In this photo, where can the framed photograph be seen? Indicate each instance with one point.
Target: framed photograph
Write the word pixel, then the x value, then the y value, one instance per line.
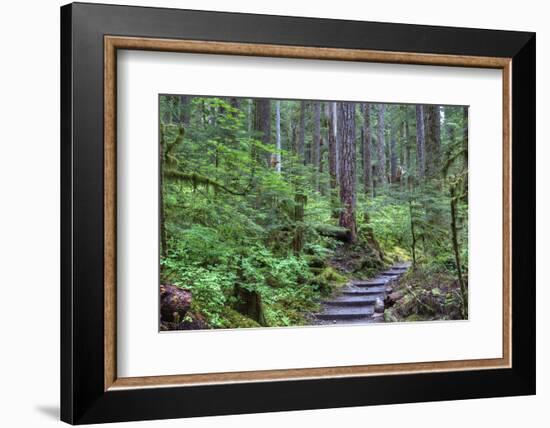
pixel 266 213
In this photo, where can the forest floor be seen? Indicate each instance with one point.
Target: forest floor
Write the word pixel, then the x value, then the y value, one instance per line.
pixel 361 301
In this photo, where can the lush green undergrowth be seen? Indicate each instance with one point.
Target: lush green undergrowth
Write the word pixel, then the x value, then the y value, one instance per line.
pixel 260 228
pixel 213 260
pixel 290 287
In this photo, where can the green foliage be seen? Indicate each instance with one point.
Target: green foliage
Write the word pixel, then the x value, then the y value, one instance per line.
pixel 231 220
pixel 390 223
pixel 208 286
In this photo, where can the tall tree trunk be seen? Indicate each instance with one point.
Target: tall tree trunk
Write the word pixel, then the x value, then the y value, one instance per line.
pixel 316 143
pixel 408 144
pixel 346 120
pixel 278 144
pixel 456 250
pixel 249 116
pixel 262 119
pixel 338 142
pixel 262 122
pixel 381 147
pixel 367 155
pixel 249 302
pixel 299 196
pixel 403 143
pixel 420 141
pixel 298 240
pixel 393 156
pixel 167 116
pixel 413 234
pixel 302 134
pixel 465 148
pixel 433 141
pixel 361 153
pixel 185 109
pixel 235 102
pixel 162 210
pixel 332 156
pixel 291 132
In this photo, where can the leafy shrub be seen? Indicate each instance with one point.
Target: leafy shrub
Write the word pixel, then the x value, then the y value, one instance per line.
pixel 209 287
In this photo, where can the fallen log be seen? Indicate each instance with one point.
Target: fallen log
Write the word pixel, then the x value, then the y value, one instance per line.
pixel 340 233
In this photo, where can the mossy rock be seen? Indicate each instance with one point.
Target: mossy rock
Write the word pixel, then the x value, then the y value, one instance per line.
pixel 234 319
pixel 371 262
pixel 329 279
pixel 315 262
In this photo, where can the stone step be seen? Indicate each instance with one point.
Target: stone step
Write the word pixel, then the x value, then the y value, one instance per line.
pixel 356 301
pixel 384 278
pixel 347 313
pixel 371 282
pixel 372 289
pixel 391 273
pixel 374 293
pixel 351 301
pixel 400 266
pixel 351 321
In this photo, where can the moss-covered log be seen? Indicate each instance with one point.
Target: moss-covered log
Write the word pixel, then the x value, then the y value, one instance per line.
pixel 331 231
pixel 197 180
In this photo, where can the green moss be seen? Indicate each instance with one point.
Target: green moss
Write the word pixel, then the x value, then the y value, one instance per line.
pixel 315 261
pixel 234 319
pixel 370 263
pixel 329 279
pixel 397 253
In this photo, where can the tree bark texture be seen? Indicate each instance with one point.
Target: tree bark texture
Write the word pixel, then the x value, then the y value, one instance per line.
pixel 367 154
pixel 420 141
pixel 381 147
pixel 278 143
pixel 456 251
pixel 162 211
pixel 332 153
pixel 185 109
pixel 302 132
pixel 433 141
pixel 235 102
pixel 262 119
pixel 393 156
pixel 262 125
pixel 316 143
pixel 410 141
pixel 346 116
pixel 465 148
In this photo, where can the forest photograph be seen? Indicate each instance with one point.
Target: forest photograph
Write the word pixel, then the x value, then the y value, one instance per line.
pixel 288 213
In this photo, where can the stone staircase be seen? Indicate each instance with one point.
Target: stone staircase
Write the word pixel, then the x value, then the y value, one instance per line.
pixel 361 301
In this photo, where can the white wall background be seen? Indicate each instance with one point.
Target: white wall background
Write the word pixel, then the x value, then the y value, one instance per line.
pixel 29 215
